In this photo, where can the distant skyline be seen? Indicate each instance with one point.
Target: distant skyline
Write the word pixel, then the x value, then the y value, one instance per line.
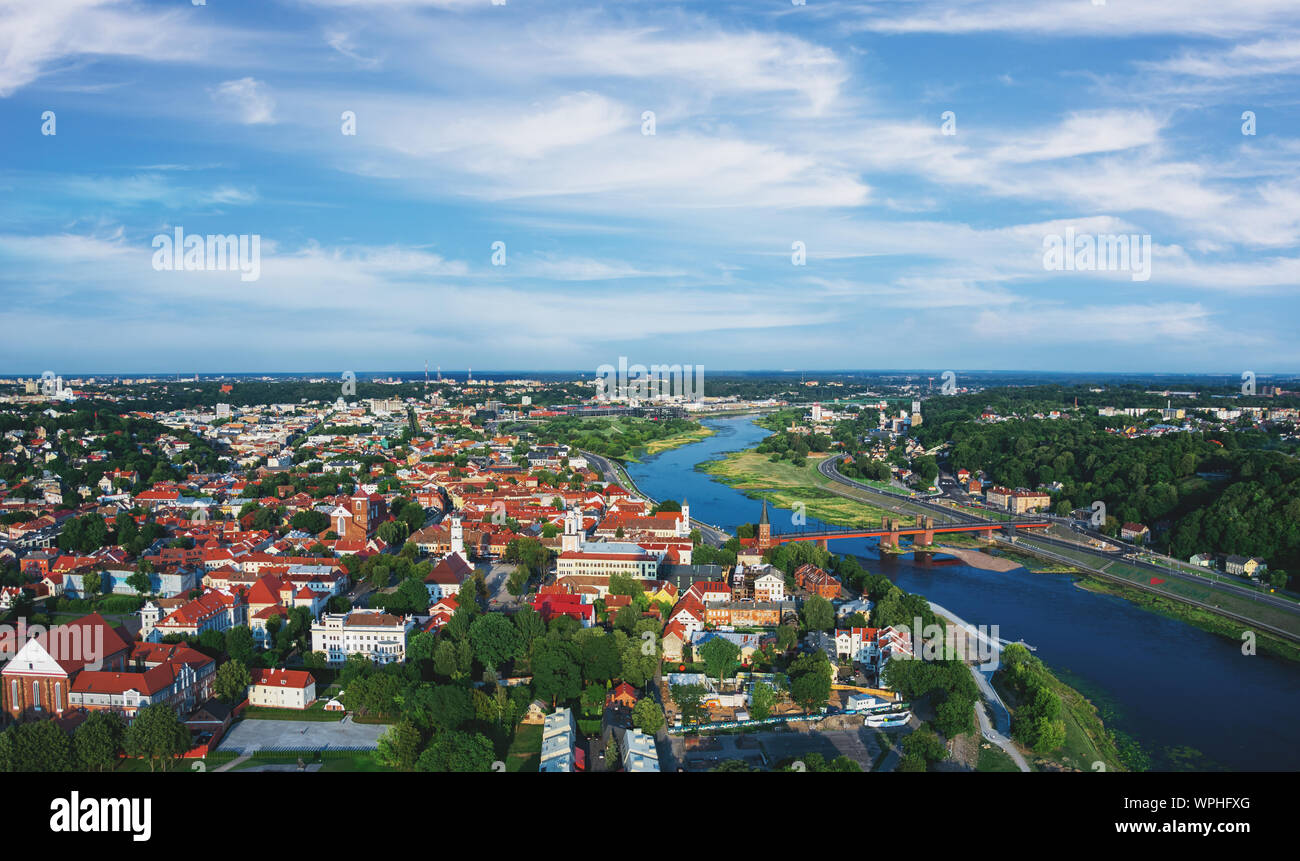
pixel 815 133
pixel 455 375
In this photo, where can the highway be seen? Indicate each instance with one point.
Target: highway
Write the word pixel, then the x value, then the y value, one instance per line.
pixel 1044 544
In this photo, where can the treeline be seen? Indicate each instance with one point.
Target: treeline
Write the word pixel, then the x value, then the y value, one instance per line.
pixel 1225 492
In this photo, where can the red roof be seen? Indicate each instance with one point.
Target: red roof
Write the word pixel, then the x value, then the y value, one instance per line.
pixel 283 678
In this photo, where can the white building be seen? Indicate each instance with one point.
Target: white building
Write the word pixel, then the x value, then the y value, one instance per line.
pixel 559 732
pixel 769 586
pixel 379 636
pixel 639 753
pixel 606 558
pixel 282 689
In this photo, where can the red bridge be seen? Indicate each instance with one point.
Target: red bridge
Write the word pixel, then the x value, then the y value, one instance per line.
pixel 893 528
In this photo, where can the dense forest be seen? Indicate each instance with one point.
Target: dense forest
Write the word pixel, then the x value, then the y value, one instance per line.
pixel 1231 491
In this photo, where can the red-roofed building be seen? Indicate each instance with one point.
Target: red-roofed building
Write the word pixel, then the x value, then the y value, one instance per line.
pixel 282 689
pixel 448 576
pixel 624 695
pixel 709 592
pixel 214 610
pixel 38 678
pixel 813 579
pixel 552 606
pixel 173 674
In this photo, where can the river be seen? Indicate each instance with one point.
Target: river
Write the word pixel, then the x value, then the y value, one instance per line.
pixel 1190 698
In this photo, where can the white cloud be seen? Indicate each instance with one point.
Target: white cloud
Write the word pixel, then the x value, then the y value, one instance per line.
pixel 248 98
pixel 1208 18
pixel 39 35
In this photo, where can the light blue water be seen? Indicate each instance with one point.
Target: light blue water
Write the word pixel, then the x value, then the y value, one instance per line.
pixel 1169 685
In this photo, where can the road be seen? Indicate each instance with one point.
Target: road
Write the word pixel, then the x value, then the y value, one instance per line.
pixel 986 729
pixel 1044 544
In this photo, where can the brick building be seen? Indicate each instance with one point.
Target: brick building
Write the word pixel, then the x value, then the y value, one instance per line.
pixel 38 679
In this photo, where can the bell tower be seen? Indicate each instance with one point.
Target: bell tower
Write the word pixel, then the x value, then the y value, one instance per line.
pixel 571 540
pixel 457 536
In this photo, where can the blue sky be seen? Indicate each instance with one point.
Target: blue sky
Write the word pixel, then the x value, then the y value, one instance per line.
pixel 774 124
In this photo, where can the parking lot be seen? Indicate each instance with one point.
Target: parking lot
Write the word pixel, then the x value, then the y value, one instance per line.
pixel 248 736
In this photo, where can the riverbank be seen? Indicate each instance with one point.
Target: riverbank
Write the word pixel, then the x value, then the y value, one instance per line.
pixel 1088 745
pixel 795 488
pixel 978 559
pixel 1146 674
pixel 1195 616
pixel 1171 608
pixel 660 445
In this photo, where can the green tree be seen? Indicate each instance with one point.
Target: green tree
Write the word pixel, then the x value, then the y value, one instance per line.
pixel 97 741
pixel 495 640
pixel 599 655
pixel 810 680
pixel 399 746
pixel 232 682
pixel 157 735
pixel 925 744
pixel 720 656
pixel 457 751
pixel 240 644
pixel 818 613
pixel 39 746
pixel 557 675
pixel 647 716
pixel 762 701
pixel 92 584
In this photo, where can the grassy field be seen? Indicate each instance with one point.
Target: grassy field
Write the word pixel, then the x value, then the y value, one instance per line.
pixel 525 752
pixel 786 485
pixel 1037 564
pixel 993 758
pixel 314 712
pixel 1203 619
pixel 361 760
pixel 656 446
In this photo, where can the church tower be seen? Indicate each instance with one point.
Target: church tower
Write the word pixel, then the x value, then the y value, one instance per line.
pixel 684 525
pixel 764 529
pixel 571 540
pixel 457 536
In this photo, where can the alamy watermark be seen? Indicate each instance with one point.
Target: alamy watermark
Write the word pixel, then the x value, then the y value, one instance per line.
pixel 79 643
pixel 1106 252
pixel 181 252
pixel 653 383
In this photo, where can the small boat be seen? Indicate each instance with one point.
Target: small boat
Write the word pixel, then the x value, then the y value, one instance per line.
pixel 885 721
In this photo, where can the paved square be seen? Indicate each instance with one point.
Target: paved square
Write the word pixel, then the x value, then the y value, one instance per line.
pixel 253 735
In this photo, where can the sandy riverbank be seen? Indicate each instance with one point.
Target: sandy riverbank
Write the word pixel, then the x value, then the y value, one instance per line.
pixel 978 559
